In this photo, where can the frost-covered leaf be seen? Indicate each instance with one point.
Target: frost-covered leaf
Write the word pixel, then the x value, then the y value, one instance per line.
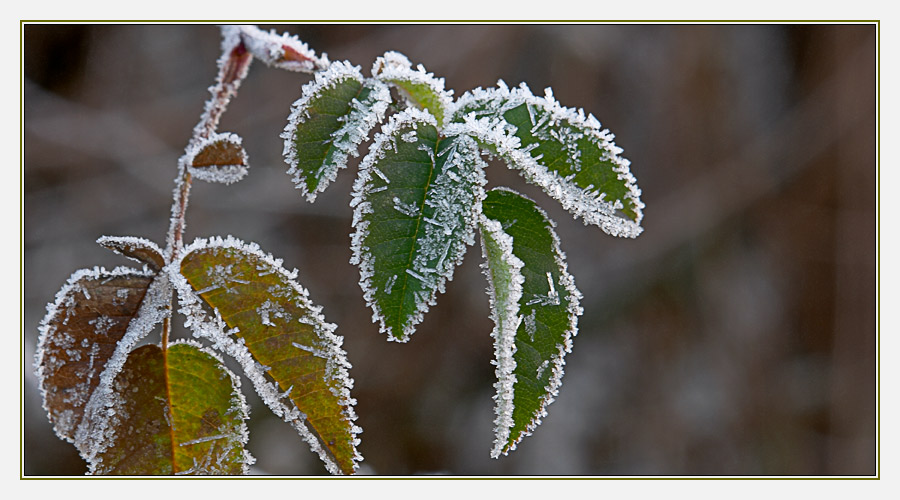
pixel 559 149
pixel 139 249
pixel 420 88
pixel 79 334
pixel 524 263
pixel 334 115
pixel 277 333
pixel 280 51
pixel 417 200
pixel 220 158
pixel 181 412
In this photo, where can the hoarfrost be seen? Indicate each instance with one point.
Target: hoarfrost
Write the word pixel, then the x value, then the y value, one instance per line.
pixel 407 209
pixel 219 158
pixel 552 297
pixel 396 69
pixel 281 51
pixel 445 218
pixel 97 432
pixel 65 369
pixel 504 274
pixel 573 296
pixel 550 121
pixel 139 249
pixel 357 124
pixel 219 334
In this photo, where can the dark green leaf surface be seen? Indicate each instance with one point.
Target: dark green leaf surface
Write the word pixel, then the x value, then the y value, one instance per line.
pixel 286 334
pixel 548 308
pixel 330 120
pixel 178 412
pixel 416 203
pixel 559 149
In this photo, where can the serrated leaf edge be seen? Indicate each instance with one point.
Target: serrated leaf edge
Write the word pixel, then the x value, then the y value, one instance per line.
pixel 359 122
pixel 590 207
pixel 574 309
pixel 116 244
pixel 506 322
pixel 222 174
pixel 360 255
pixel 94 435
pixel 53 308
pixel 395 69
pixel 218 333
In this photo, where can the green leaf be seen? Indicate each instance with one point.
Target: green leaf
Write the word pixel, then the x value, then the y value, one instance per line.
pixel 326 125
pixel 533 334
pixel 79 335
pixel 559 149
pixel 416 203
pixel 178 412
pixel 420 89
pixel 280 335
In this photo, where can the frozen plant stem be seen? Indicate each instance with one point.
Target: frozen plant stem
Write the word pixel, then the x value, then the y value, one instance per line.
pixel 233 66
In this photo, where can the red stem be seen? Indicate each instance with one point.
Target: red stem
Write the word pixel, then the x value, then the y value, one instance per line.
pixel 233 66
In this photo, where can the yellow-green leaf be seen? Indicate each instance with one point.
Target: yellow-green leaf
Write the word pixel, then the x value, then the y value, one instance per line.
pixel 175 412
pixel 275 323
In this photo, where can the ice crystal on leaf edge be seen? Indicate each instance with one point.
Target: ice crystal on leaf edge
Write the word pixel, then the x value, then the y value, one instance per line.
pixel 219 334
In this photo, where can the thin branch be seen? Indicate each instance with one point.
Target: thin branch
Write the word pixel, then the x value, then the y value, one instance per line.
pixel 233 66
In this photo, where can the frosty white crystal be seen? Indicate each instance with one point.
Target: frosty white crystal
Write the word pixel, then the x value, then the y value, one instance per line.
pixel 455 192
pixel 217 332
pixel 488 127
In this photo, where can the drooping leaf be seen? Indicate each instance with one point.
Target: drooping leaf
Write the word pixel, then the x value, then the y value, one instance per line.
pixel 417 199
pixel 280 334
pixel 280 51
pixel 504 273
pixel 178 412
pixel 559 149
pixel 79 334
pixel 420 88
pixel 524 262
pixel 139 249
pixel 220 158
pixel 327 124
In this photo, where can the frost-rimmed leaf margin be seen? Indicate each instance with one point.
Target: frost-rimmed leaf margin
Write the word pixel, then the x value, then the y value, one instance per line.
pixel 499 137
pixel 215 330
pixel 46 365
pixel 237 404
pixel 283 51
pixel 359 119
pixel 503 271
pixel 135 248
pixel 420 88
pixel 223 171
pixel 506 413
pixel 94 435
pixel 464 152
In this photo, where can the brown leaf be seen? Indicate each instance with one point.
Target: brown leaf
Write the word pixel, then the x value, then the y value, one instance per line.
pixel 79 334
pixel 139 249
pixel 221 158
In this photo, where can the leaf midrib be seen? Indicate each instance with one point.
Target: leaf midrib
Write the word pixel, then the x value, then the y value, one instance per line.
pixel 419 220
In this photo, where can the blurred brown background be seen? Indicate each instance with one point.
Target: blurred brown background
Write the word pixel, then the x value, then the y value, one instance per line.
pixel 736 336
